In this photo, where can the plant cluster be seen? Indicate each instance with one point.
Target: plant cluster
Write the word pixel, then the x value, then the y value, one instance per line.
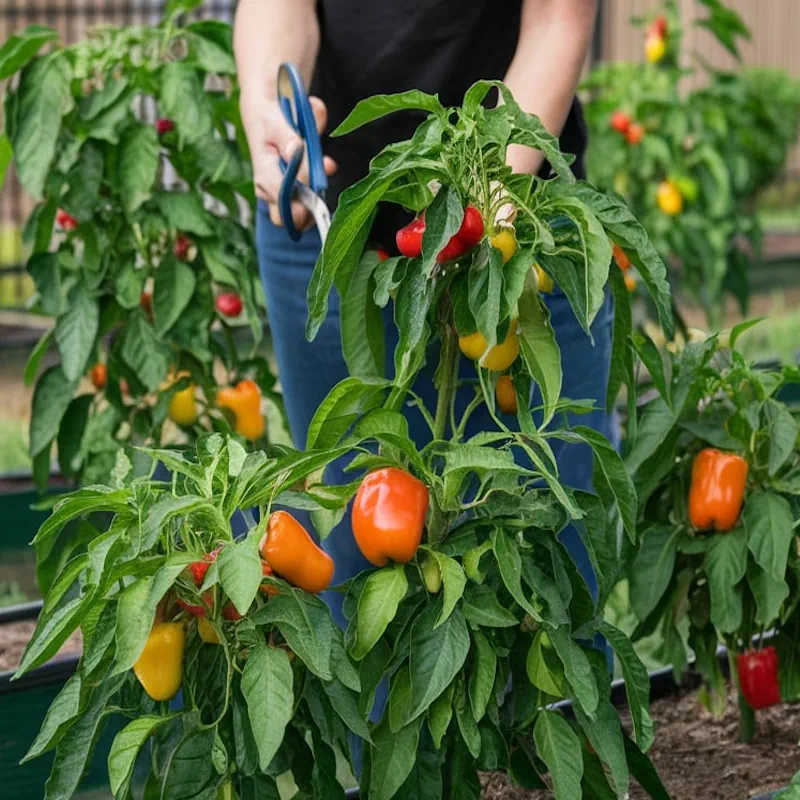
pixel 155 298
pixel 472 589
pixel 690 163
pixel 717 472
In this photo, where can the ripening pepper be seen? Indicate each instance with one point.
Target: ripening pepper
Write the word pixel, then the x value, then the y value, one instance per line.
pixel 432 574
pixel 164 125
pixel 620 121
pixel 655 47
pixel 635 133
pixel 469 233
pixel 229 304
pixel 758 677
pixel 669 198
pixel 66 221
pixel 717 490
pixel 196 609
pixel 389 516
pixel 630 283
pixel 267 589
pixel 207 631
pixel 621 257
pixel 506 395
pixel 244 400
pixel 160 666
pixel 505 242
pixel 181 247
pixel 500 357
pixel 291 553
pixel 544 282
pixel 183 407
pixel 99 375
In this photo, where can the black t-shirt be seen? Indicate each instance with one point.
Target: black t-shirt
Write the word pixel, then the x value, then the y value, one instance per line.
pixel 385 46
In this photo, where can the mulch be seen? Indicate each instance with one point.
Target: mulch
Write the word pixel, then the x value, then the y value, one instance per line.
pixel 700 758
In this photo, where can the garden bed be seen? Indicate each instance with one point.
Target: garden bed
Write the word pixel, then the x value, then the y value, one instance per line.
pixel 14 637
pixel 698 756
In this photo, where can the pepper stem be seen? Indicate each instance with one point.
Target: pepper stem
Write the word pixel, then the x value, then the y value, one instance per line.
pixel 447 385
pixel 747 721
pixel 448 361
pixel 747 717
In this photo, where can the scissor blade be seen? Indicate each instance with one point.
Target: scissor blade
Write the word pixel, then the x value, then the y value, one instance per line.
pixel 319 210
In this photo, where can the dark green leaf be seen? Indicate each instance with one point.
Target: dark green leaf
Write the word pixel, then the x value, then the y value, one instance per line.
pixel 652 569
pixel 137 165
pixel 392 758
pixel 76 332
pixel 437 655
pixel 559 748
pixel 382 104
pixel 23 46
pixel 184 101
pixel 43 97
pixel 377 607
pixel 725 564
pixel 769 523
pixel 637 684
pixel 539 348
pixel 148 357
pixel 267 686
pixel 51 398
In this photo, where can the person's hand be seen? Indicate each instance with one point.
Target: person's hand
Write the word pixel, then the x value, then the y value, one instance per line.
pixel 271 138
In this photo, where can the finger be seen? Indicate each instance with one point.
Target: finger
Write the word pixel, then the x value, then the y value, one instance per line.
pixel 268 175
pixel 282 135
pixel 320 111
pixel 328 164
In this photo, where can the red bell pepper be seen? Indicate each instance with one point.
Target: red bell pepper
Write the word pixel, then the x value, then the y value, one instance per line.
pixel 469 233
pixel 758 677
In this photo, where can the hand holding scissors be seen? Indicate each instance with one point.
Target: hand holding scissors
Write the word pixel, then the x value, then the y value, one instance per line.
pixel 296 108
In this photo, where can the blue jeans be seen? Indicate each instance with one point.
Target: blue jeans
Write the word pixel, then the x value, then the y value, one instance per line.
pixel 309 370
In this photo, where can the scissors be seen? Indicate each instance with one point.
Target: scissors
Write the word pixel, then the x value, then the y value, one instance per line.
pixel 296 108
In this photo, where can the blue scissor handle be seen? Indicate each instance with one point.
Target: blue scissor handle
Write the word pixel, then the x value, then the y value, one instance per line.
pixel 296 108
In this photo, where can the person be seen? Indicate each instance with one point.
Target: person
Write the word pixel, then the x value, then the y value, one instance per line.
pixel 348 50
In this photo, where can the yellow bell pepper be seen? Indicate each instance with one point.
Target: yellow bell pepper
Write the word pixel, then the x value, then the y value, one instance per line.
pixel 183 407
pixel 500 357
pixel 207 631
pixel 505 242
pixel 160 666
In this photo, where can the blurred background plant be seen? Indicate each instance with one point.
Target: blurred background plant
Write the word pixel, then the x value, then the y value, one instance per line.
pixel 691 158
pixel 140 245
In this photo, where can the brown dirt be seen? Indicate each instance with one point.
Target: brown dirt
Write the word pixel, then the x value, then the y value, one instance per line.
pixel 15 635
pixel 699 758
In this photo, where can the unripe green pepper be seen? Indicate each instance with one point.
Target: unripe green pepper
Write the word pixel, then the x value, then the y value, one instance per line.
pixel 432 574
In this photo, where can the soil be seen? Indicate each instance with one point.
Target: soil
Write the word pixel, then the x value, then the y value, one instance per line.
pixel 15 635
pixel 698 756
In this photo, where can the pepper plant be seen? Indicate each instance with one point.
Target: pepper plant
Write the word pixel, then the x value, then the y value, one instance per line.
pixel 473 590
pixel 690 163
pixel 717 471
pixel 153 295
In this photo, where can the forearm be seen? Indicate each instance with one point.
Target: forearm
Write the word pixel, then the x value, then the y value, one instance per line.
pixel 268 32
pixel 555 36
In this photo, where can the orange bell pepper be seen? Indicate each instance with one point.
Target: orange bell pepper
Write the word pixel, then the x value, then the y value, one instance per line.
pixel 389 516
pixel 291 553
pixel 717 491
pixel 244 400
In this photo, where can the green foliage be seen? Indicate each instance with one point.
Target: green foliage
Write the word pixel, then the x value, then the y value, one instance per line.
pixel 80 145
pixel 510 594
